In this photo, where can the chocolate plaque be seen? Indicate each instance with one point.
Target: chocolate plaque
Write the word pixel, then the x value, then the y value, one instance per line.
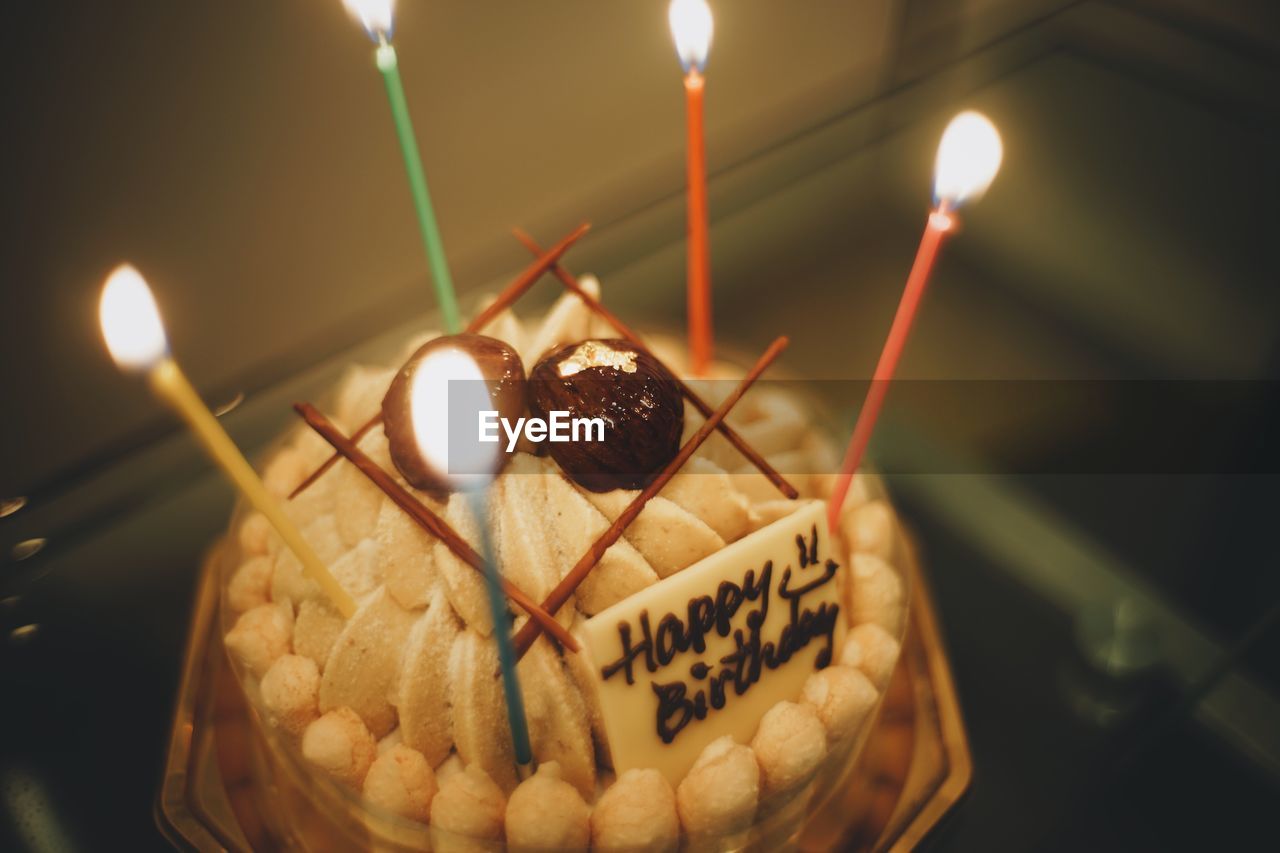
pixel 707 651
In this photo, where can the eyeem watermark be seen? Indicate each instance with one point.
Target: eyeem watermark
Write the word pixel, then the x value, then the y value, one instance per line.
pixel 560 427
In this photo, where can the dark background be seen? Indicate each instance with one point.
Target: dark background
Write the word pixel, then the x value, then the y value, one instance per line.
pixel 240 153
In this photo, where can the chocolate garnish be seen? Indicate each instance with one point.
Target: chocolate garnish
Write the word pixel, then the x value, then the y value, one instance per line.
pixel 571 284
pixel 499 364
pixel 627 389
pixel 526 279
pixel 329 463
pixel 528 276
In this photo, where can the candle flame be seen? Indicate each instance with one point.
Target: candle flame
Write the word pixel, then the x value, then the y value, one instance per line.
pixel 968 159
pixel 376 16
pixel 449 378
pixel 691 27
pixel 130 321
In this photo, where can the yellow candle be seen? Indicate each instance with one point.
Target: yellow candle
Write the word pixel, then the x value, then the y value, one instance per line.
pixel 135 336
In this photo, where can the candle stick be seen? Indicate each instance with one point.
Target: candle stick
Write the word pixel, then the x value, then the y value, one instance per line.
pixel 378 21
pixel 507 659
pixel 135 336
pixel 691 26
pixel 445 379
pixel 968 159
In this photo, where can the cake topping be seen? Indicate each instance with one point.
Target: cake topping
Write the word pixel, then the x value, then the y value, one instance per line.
pixel 401 781
pixel 719 795
pixel 629 393
pixel 871 650
pixel 596 354
pixel 587 289
pixel 875 594
pixel 341 745
pixel 426 722
pixel 637 813
pixel 470 805
pixel 790 744
pixel 363 664
pixel 260 636
pixel 290 690
pixel 498 363
pixel 250 586
pixel 547 813
pixel 842 698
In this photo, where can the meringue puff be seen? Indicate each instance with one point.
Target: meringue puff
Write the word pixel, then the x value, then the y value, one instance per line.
pixel 401 781
pixel 468 806
pixel 547 813
pixel 341 745
pixel 637 812
pixel 719 795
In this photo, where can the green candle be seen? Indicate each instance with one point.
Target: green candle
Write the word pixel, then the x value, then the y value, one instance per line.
pixel 390 68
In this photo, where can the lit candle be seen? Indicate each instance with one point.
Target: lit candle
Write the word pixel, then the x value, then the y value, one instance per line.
pixel 449 390
pixel 377 17
pixel 691 26
pixel 968 159
pixel 135 337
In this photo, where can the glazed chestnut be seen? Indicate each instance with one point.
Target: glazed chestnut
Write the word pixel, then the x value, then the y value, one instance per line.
pixel 637 398
pixel 498 363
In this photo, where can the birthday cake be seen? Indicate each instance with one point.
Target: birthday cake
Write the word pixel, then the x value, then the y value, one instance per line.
pixel 698 653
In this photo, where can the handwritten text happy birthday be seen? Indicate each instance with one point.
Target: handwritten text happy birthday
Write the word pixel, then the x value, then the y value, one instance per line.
pixel 745 605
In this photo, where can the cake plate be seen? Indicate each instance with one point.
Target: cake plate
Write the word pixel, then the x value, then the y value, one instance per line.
pixel 914 769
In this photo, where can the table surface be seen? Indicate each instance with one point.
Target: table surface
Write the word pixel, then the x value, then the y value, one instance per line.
pixel 1064 758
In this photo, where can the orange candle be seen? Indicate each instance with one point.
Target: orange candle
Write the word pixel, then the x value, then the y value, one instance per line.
pixel 968 159
pixel 691 26
pixel 699 260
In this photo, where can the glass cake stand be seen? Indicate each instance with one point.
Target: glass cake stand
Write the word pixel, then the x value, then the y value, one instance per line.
pixel 226 785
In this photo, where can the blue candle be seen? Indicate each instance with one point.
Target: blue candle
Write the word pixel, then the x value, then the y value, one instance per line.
pixel 479 502
pixel 449 390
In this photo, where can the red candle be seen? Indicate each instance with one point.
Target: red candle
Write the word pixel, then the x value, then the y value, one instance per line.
pixel 691 26
pixel 968 159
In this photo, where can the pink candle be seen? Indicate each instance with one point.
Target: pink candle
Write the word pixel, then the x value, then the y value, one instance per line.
pixel 968 159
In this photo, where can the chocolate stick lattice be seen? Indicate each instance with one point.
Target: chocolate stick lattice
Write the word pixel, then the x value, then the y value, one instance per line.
pixel 571 283
pixel 526 636
pixel 426 519
pixel 527 278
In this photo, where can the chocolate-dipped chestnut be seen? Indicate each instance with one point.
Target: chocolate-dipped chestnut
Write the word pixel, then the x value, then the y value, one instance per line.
pixel 637 398
pixel 498 363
